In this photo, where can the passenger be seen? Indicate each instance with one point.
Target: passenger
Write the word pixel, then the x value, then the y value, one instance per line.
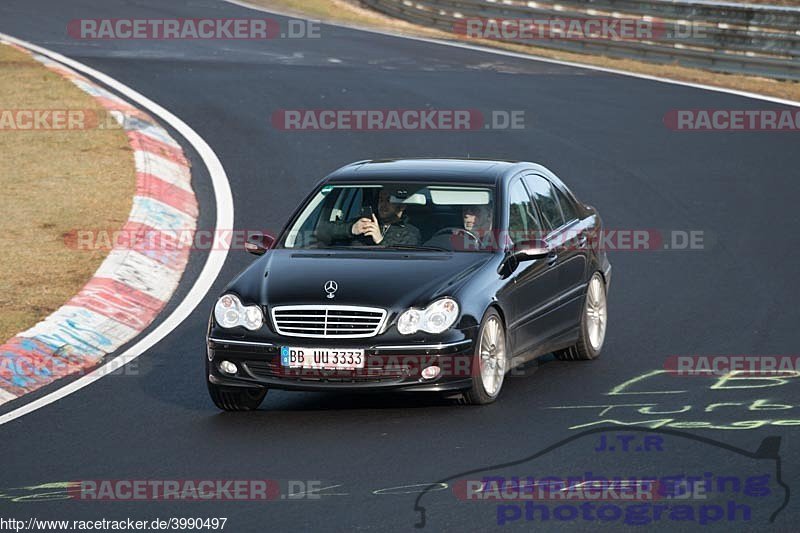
pixel 477 218
pixel 477 222
pixel 390 227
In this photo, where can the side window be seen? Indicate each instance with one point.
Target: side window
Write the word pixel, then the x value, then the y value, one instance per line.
pixel 545 196
pixel 351 207
pixel 566 206
pixel 522 221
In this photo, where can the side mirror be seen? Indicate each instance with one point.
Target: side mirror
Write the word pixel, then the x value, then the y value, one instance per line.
pixel 530 250
pixel 523 251
pixel 259 243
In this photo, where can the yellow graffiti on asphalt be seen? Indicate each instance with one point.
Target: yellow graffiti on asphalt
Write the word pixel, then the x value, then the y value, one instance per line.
pixel 49 492
pixel 629 414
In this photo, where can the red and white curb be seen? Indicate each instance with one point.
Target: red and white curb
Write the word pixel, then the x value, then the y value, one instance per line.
pixel 134 283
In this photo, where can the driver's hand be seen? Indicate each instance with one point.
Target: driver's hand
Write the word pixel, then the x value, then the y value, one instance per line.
pixel 360 226
pixel 373 229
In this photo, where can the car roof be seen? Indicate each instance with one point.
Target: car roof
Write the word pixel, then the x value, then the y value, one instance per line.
pixel 479 171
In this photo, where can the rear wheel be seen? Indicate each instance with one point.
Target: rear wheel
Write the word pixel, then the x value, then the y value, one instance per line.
pixel 490 361
pixel 236 399
pixel 593 324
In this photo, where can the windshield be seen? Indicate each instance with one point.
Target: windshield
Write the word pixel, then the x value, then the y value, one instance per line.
pixel 406 216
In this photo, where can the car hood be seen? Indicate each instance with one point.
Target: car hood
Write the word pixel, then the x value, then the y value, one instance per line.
pixel 382 278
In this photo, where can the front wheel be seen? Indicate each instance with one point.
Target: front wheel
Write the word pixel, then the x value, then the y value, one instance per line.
pixel 236 399
pixel 490 361
pixel 594 319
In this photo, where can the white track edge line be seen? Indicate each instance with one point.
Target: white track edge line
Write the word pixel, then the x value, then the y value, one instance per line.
pixel 212 266
pixel 531 57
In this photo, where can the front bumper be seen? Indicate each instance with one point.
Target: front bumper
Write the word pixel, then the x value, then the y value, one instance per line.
pixel 388 366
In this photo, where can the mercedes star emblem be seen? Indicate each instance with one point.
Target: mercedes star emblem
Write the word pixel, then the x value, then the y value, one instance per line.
pixel 331 287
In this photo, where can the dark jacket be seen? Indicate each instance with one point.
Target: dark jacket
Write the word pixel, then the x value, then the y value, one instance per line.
pixel 396 233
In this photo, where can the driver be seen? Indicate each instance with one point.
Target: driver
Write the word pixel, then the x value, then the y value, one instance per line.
pixel 390 227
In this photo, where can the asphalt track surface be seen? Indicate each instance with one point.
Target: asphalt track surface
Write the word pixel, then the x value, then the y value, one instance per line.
pixel 602 133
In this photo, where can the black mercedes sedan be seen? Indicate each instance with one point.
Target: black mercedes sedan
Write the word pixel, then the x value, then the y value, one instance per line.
pixel 434 275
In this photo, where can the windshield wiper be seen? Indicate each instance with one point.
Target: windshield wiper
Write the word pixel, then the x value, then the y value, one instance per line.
pixel 340 247
pixel 413 247
pixel 379 247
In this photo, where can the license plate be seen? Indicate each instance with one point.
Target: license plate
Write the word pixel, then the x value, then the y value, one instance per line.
pixel 322 358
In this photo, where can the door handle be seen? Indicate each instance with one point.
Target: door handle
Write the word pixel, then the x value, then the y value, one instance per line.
pixel 582 239
pixel 552 257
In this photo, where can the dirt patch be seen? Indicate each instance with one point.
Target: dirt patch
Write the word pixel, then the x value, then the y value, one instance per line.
pixel 54 180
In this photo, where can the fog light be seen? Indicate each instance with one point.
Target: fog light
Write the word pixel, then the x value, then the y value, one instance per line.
pixel 228 368
pixel 430 372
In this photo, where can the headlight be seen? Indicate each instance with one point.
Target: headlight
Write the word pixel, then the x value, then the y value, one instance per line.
pixel 229 313
pixel 435 318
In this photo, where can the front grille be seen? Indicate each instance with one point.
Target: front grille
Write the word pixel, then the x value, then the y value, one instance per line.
pixel 328 321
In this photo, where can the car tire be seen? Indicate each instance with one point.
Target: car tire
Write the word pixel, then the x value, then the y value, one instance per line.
pixel 490 362
pixel 236 399
pixel 594 319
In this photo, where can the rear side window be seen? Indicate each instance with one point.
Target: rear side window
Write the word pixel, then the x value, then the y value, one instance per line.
pixel 545 197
